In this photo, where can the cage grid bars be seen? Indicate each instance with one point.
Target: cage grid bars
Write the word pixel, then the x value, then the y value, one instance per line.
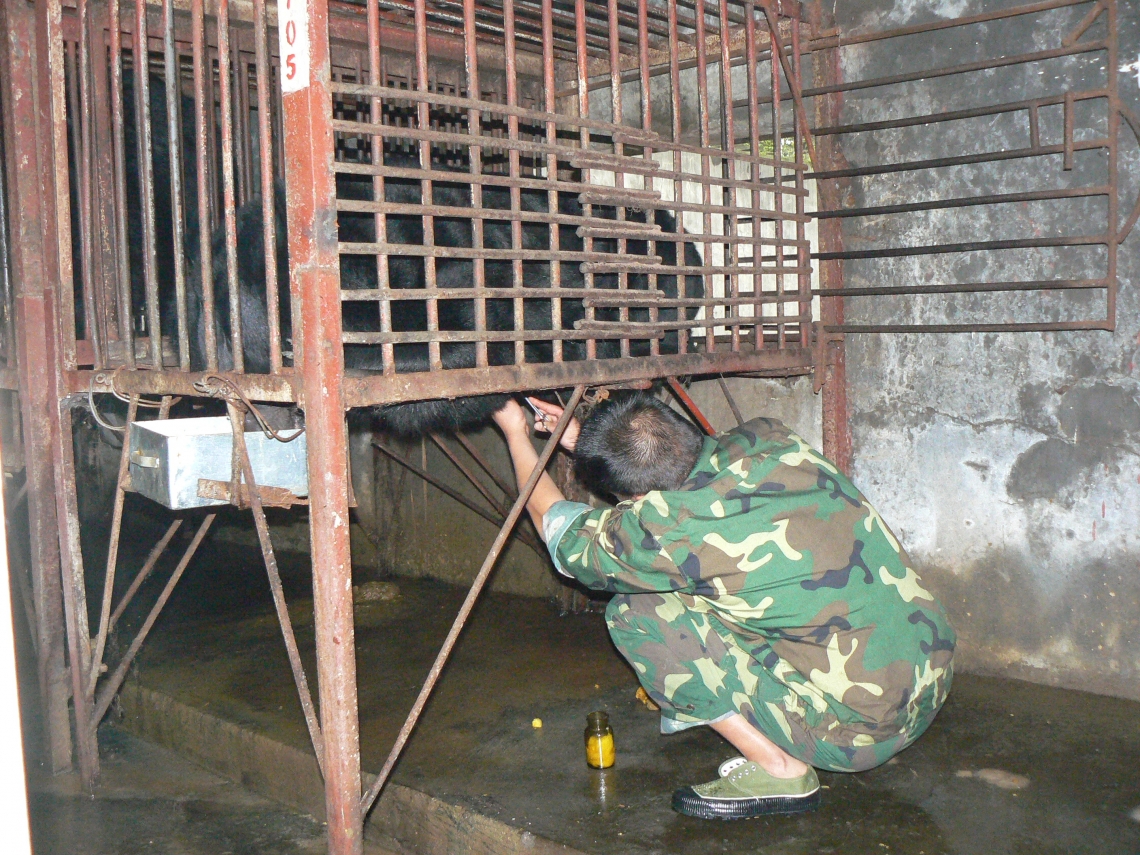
pixel 287 390
pixel 1071 45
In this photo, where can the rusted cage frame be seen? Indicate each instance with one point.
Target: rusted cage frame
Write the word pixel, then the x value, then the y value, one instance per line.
pixel 285 389
pixel 247 49
pixel 361 391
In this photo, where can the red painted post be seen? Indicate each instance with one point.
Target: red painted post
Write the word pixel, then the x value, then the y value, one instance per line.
pixel 34 277
pixel 315 283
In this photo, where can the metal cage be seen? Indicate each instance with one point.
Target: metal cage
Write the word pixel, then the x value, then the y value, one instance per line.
pixel 345 204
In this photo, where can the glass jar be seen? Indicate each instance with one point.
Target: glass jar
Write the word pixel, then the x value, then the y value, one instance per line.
pixel 599 738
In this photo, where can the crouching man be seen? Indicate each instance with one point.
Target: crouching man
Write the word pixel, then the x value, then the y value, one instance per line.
pixel 757 592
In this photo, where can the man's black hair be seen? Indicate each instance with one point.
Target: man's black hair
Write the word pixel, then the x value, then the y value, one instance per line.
pixel 632 444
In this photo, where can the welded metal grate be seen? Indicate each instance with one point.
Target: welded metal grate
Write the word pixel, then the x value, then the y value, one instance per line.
pixel 585 207
pixel 529 193
pixel 991 212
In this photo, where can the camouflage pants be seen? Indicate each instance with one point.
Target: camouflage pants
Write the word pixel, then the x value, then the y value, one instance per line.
pixel 699 671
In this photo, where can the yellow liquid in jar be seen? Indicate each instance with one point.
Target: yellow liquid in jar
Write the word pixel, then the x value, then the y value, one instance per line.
pixel 600 751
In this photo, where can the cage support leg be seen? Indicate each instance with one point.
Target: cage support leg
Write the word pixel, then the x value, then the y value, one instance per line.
pixel 74 597
pixel 113 548
pixel 469 603
pixel 237 419
pixel 145 571
pixel 113 684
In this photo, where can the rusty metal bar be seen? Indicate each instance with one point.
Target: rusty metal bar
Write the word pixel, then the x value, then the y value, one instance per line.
pixel 798 94
pixel 37 335
pixel 468 474
pixel 964 288
pixel 86 191
pixel 144 572
pixel 728 193
pixel 731 401
pixel 469 603
pixel 113 547
pixel 103 168
pixel 583 107
pixel 964 68
pixel 971 246
pixel 497 520
pixel 1032 105
pixel 1068 143
pixel 237 421
pixel 276 388
pixel 1116 108
pixel 315 285
pixel 126 331
pixel 1095 12
pixel 431 252
pixel 241 124
pixel 690 405
pixel 965 202
pixel 803 138
pixel 475 166
pixel 268 197
pixel 54 56
pixel 115 681
pixel 203 90
pixel 552 204
pixel 423 124
pixel 74 594
pixel 985 17
pixel 173 76
pixel 676 171
pixel 755 185
pixel 1057 326
pixel 380 222
pixel 146 180
pixel 7 292
pixel 229 193
pixel 959 160
pixel 706 206
pixel 508 490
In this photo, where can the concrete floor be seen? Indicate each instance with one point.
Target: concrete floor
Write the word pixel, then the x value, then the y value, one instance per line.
pixel 1007 767
pixel 150 800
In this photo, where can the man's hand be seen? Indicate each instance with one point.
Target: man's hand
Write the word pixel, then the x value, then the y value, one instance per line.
pixel 546 419
pixel 511 420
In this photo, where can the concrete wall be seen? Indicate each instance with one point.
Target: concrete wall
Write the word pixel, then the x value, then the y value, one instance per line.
pixel 1009 464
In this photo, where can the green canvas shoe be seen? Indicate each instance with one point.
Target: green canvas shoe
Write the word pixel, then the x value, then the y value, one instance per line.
pixel 745 790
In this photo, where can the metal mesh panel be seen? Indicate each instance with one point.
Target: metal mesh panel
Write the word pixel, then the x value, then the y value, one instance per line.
pixel 980 172
pixel 561 190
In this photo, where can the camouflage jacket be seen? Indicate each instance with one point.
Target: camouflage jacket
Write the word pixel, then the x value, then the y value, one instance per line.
pixel 777 547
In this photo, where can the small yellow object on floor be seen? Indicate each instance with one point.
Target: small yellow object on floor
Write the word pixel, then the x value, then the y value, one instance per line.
pixel 536 723
pixel 643 696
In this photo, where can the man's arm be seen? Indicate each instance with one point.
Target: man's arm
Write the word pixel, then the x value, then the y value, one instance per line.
pixel 512 422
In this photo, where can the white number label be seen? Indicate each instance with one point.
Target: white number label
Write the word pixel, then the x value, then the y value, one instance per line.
pixel 293 34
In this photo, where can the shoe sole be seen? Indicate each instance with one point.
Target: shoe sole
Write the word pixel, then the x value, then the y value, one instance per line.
pixel 687 801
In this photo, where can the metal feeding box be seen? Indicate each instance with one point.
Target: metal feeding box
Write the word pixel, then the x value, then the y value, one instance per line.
pixel 168 458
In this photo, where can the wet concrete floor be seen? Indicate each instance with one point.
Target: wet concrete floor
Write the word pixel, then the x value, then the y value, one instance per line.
pixel 1008 767
pixel 149 800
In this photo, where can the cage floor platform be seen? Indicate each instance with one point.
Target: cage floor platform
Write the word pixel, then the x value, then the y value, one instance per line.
pixel 1007 767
